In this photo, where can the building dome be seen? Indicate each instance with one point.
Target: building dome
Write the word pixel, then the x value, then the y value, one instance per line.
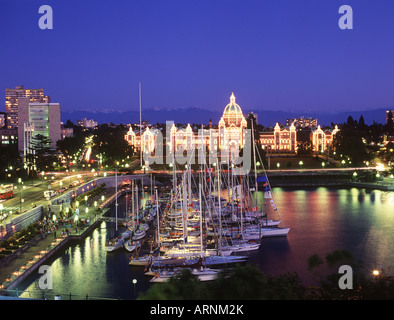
pixel 232 107
pixel 232 115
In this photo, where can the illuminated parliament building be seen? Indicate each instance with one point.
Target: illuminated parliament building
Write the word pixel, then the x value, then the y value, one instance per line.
pixel 229 133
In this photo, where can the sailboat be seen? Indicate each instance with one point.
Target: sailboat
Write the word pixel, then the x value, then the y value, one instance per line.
pixel 197 269
pixel 203 274
pixel 263 229
pixel 138 234
pixel 148 259
pixel 127 233
pixel 131 245
pixel 116 242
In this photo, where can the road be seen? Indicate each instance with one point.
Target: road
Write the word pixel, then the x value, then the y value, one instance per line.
pixel 33 193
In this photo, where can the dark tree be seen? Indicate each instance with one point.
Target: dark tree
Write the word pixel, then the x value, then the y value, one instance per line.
pixel 109 141
pixel 44 157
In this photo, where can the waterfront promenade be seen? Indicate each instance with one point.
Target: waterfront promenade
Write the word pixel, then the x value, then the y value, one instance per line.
pixel 46 244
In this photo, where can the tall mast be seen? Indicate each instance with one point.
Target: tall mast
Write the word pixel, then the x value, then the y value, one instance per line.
pixel 185 207
pixel 255 172
pixel 220 211
pixel 200 205
pixel 139 91
pixel 116 200
pixel 132 202
pixel 158 220
pixel 138 209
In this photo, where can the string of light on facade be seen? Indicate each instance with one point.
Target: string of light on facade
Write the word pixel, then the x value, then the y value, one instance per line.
pixel 229 135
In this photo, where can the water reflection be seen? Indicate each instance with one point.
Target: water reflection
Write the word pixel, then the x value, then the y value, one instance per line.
pixel 321 219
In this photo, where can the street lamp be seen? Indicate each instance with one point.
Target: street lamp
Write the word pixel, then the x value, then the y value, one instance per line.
pixel 323 164
pixel 300 163
pixel 134 283
pixel 278 165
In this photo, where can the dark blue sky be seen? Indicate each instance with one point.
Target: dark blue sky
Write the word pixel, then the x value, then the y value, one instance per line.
pixel 274 54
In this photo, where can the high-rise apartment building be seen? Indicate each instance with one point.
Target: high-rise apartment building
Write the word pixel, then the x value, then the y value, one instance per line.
pixel 37 118
pixel 12 97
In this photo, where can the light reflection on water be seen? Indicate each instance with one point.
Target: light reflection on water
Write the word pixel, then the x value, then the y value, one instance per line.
pixel 321 220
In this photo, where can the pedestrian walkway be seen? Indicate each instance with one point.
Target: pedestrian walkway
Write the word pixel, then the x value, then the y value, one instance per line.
pixel 49 242
pixel 17 263
pixel 53 240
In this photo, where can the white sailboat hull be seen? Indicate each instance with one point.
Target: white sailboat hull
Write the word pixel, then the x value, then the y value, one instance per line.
pixel 127 234
pixel 202 275
pixel 114 245
pixel 139 235
pixel 245 247
pixel 131 245
pixel 265 232
pixel 142 261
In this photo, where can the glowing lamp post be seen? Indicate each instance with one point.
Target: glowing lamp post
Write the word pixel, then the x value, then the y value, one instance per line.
pixel 134 283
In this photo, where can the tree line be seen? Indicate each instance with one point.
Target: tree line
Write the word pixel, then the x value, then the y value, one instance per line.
pixel 247 282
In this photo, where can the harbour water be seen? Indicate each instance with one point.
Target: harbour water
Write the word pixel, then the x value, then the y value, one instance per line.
pixel 321 219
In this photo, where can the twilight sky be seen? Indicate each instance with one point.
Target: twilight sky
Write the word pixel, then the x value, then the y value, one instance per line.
pixel 273 54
